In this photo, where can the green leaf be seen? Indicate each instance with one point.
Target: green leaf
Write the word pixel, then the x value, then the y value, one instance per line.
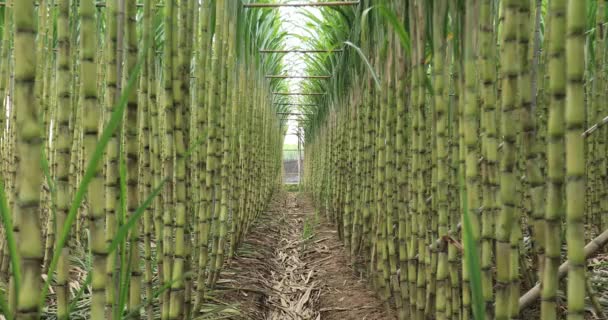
pixel 7 223
pixel 472 257
pixel 404 36
pixel 122 233
pixel 364 58
pixel 51 182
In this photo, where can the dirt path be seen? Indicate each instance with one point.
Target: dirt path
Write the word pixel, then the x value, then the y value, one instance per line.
pixel 292 266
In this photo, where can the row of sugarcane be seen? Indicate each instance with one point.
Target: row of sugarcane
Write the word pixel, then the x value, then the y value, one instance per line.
pixel 460 147
pixel 139 137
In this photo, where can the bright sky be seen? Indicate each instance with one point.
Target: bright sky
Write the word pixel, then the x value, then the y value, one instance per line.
pixel 293 22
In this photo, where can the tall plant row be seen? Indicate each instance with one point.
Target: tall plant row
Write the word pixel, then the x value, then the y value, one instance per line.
pixel 139 142
pixel 461 152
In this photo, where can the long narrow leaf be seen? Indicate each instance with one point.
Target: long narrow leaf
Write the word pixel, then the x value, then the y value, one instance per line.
pixel 52 186
pixel 123 281
pixel 364 58
pixel 404 37
pixel 472 257
pixel 122 233
pixel 7 223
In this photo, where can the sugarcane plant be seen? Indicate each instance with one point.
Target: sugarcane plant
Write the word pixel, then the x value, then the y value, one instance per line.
pixel 127 148
pixel 473 136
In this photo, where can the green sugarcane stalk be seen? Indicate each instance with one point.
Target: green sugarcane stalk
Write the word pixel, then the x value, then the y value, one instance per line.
pixel 423 161
pixel 29 133
pixel 155 162
pixel 471 117
pixel 506 219
pixel 402 162
pixel 555 205
pixel 212 166
pixel 222 231
pixel 132 135
pixel 203 61
pixel 216 112
pixel 415 146
pixel 390 176
pixel 146 170
pixel 63 148
pixel 379 225
pixel 575 155
pixel 441 145
pixel 601 83
pixel 457 165
pixel 180 67
pixel 190 115
pixel 111 160
pixel 168 147
pixel 490 149
pixel 91 113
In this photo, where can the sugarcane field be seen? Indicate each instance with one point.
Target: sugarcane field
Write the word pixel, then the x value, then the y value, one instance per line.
pixel 304 159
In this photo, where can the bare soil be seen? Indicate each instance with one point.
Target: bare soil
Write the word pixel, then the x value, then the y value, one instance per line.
pixel 293 266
